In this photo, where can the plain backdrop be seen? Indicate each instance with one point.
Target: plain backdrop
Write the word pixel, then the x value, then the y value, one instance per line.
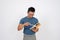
pixel 47 12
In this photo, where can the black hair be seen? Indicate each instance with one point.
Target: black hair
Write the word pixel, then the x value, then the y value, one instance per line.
pixel 32 9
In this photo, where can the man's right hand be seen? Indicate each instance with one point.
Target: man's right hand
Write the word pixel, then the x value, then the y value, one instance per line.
pixel 26 24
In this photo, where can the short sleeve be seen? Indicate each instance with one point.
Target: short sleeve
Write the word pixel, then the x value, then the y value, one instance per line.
pixel 21 21
pixel 36 21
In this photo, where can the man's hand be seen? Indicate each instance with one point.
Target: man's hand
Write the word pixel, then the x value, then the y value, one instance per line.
pixel 34 29
pixel 26 24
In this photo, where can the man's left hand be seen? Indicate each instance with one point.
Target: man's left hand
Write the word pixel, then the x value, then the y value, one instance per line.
pixel 34 29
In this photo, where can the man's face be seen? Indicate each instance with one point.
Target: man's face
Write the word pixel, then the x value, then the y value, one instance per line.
pixel 30 14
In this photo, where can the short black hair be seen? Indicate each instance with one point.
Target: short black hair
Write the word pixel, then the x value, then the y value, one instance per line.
pixel 32 9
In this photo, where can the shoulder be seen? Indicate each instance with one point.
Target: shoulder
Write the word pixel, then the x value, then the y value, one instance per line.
pixel 23 18
pixel 35 20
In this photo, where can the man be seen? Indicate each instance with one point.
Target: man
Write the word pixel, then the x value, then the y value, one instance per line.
pixel 27 23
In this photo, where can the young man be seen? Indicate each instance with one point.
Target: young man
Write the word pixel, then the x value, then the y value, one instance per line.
pixel 27 23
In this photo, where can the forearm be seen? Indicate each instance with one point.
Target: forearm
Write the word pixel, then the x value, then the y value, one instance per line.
pixel 20 27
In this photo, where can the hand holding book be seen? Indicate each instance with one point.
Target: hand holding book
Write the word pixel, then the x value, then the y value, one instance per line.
pixel 36 27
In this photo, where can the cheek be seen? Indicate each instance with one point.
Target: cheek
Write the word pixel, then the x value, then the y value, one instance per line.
pixel 31 15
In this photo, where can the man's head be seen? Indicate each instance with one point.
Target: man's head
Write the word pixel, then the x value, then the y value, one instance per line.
pixel 31 11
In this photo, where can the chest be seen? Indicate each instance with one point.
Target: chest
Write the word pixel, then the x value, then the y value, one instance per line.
pixel 32 21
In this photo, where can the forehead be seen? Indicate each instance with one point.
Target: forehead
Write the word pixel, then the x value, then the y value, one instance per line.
pixel 31 13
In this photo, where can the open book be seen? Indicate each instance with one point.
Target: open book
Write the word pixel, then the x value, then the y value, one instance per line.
pixel 34 26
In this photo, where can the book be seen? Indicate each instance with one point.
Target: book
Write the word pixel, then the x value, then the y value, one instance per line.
pixel 34 26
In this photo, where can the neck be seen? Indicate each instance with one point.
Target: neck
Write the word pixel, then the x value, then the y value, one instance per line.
pixel 29 17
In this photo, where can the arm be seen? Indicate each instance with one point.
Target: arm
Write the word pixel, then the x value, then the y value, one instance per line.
pixel 20 27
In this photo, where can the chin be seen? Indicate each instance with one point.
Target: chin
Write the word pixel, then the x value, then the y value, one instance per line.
pixel 30 17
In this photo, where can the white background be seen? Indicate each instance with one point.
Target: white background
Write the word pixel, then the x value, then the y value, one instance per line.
pixel 47 11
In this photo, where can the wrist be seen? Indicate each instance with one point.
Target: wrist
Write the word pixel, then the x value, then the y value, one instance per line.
pixel 23 24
